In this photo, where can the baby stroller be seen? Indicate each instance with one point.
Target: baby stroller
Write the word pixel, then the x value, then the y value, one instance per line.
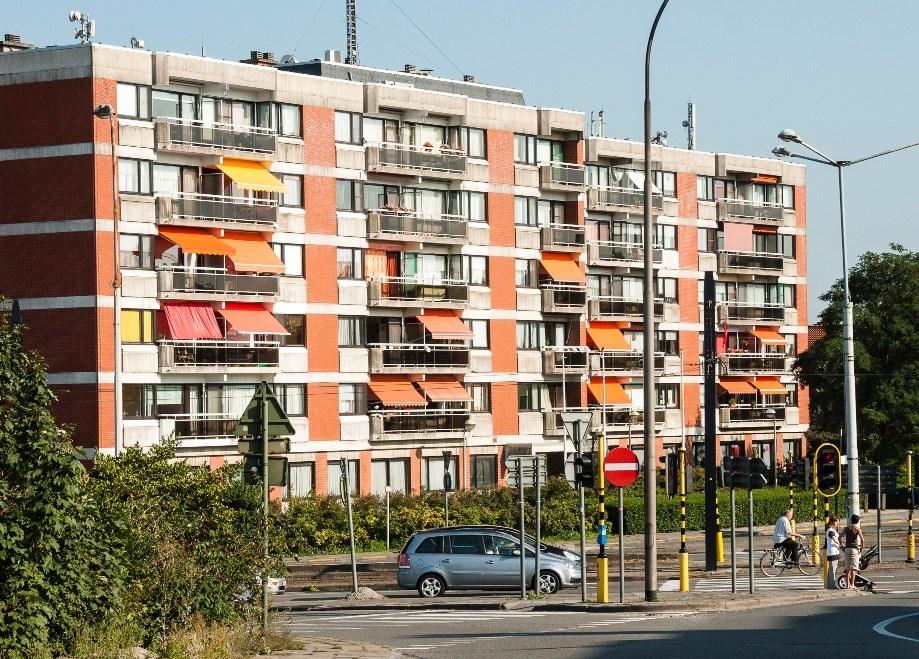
pixel 863 563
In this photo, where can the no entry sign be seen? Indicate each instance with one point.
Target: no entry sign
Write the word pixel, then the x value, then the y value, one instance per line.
pixel 620 467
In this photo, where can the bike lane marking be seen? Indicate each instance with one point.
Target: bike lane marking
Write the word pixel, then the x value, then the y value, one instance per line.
pixel 881 627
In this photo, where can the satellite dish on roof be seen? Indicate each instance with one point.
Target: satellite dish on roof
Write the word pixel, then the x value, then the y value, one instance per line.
pixel 288 59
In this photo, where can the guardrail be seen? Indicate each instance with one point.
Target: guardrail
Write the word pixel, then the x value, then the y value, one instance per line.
pixel 563 173
pixel 750 413
pixel 563 298
pixel 417 421
pixel 218 208
pixel 407 357
pixel 612 250
pixel 202 425
pixel 409 156
pixel 175 353
pixel 750 210
pixel 234 137
pixel 622 361
pixel 564 360
pixel 386 223
pixel 562 236
pixel 754 362
pixel 410 289
pixel 768 311
pixel 598 197
pixel 605 306
pixel 729 261
pixel 215 280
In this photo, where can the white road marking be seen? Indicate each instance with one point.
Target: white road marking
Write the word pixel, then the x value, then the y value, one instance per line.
pixel 881 628
pixel 723 584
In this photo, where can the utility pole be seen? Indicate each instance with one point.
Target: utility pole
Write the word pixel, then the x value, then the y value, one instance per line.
pixel 708 370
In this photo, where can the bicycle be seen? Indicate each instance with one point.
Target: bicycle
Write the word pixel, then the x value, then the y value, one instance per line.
pixel 773 563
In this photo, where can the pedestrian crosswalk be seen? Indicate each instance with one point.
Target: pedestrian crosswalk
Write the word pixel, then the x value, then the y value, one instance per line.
pixel 762 583
pixel 314 621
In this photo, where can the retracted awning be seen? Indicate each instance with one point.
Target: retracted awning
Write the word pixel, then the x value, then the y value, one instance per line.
pixel 604 336
pixel 251 175
pixel 770 337
pixel 611 393
pixel 562 267
pixel 191 320
pixel 196 241
pixel 769 386
pixel 444 326
pixel 251 319
pixel 737 387
pixel 252 253
pixel 396 392
pixel 444 390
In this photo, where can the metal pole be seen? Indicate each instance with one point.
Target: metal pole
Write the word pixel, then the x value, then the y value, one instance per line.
pixel 713 539
pixel 446 507
pixel 523 551
pixel 116 293
pixel 650 470
pixel 536 573
pixel 684 553
pixel 733 551
pixel 387 518
pixel 602 563
pixel 346 494
pixel 910 539
pixel 750 540
pixel 879 514
pixel 263 405
pixel 583 545
pixel 621 550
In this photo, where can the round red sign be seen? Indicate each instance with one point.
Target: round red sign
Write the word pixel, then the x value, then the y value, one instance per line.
pixel 620 466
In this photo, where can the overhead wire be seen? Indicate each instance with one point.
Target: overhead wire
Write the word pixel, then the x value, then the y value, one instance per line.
pixel 425 35
pixel 309 25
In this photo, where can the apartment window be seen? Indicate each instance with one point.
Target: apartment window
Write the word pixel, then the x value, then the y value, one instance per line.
pixel 477 208
pixel 550 151
pixel 665 236
pixel 483 471
pixel 136 251
pixel 528 398
pixel 788 196
pixel 294 195
pixel 292 398
pixel 477 270
pixel 134 176
pixel 526 273
pixel 705 188
pixel 347 195
pixel 525 211
pixel 667 288
pixel 480 393
pixel 290 123
pixel 352 399
pixel 388 473
pixel 525 149
pixel 167 179
pixel 788 295
pixel 334 474
pixel 792 396
pixel 433 472
pixel 668 342
pixel 138 401
pixel 666 182
pixel 530 335
pixel 350 263
pixel 668 396
pixel 479 329
pixel 475 143
pixel 550 212
pixel 137 325
pixel 348 127
pixel 292 255
pixel 708 240
pixel 174 105
pixel 302 479
pixel 294 324
pixel 791 344
pixel 132 101
pixel 351 331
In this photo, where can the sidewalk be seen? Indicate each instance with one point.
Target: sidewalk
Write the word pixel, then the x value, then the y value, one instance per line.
pixel 330 648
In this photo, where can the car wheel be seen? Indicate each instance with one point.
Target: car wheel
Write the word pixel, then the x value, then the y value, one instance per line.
pixel 549 583
pixel 431 585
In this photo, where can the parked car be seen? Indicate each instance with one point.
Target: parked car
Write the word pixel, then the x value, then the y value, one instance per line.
pixel 478 558
pixel 530 540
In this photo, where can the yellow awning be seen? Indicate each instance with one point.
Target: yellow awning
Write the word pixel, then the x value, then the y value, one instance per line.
pixel 251 175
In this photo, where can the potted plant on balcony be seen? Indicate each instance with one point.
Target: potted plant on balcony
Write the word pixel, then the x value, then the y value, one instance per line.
pixel 732 402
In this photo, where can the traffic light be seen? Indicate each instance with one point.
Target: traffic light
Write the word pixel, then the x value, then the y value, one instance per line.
pixel 828 468
pixel 584 470
pixel 759 473
pixel 802 468
pixel 671 464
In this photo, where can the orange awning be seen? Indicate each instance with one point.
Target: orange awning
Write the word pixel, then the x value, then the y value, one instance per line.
pixel 768 336
pixel 737 387
pixel 251 319
pixel 611 393
pixel 252 253
pixel 765 178
pixel 769 386
pixel 197 241
pixel 606 336
pixel 251 175
pixel 396 392
pixel 445 325
pixel 562 267
pixel 444 390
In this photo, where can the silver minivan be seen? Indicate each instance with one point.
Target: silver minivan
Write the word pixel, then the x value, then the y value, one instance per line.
pixel 472 558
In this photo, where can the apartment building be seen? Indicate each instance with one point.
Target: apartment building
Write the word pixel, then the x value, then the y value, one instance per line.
pixel 416 265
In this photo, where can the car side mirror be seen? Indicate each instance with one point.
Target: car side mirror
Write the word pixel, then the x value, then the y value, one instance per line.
pixel 516 552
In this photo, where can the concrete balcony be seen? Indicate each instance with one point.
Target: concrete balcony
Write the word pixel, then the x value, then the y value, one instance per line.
pixel 562 237
pixel 414 227
pixel 561 177
pixel 562 298
pixel 191 136
pixel 620 363
pixel 430 358
pixel 216 284
pixel 611 253
pixel 750 363
pixel 611 307
pixel 219 211
pixel 207 356
pixel 418 424
pixel 568 361
pixel 751 313
pixel 200 427
pixel 753 212
pixel 750 263
pixel 409 160
pixel 413 293
pixel 749 415
pixel 623 200
pixel 620 419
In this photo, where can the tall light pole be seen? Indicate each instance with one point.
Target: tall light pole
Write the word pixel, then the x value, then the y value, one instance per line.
pixel 770 414
pixel 650 470
pixel 848 336
pixel 107 112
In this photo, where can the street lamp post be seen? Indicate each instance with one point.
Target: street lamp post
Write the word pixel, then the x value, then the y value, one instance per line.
pixel 468 427
pixel 851 427
pixel 770 414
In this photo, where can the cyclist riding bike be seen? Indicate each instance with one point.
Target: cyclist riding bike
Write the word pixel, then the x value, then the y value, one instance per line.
pixel 783 537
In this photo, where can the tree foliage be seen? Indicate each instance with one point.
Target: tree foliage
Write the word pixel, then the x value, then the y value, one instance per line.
pixel 885 294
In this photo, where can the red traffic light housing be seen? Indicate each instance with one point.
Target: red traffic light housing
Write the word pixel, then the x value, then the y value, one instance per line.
pixel 828 469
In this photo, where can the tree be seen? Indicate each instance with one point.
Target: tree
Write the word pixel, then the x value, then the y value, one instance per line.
pixel 885 296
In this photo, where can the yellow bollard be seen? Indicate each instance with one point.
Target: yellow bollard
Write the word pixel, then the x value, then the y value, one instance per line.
pixel 602 580
pixel 791 504
pixel 602 566
pixel 815 550
pixel 910 539
pixel 719 538
pixel 684 553
pixel 910 547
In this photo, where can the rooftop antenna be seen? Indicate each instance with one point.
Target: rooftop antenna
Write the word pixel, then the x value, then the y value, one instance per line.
pixel 593 124
pixel 351 23
pixel 602 124
pixel 690 125
pixel 660 138
pixel 87 30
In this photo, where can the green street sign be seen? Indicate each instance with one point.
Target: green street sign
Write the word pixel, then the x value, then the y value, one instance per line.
pixel 250 423
pixel 278 471
pixel 254 446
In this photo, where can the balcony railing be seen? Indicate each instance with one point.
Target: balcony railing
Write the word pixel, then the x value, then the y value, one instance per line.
pixel 750 261
pixel 750 362
pixel 622 362
pixel 562 298
pixel 741 414
pixel 755 312
pixel 410 291
pixel 198 208
pixel 215 281
pixel 613 198
pixel 413 357
pixel 393 157
pixel 562 237
pixel 556 361
pixel 750 211
pixel 411 225
pixel 446 423
pixel 177 354
pixel 561 175
pixel 200 426
pixel 623 308
pixel 230 137
pixel 623 416
pixel 611 250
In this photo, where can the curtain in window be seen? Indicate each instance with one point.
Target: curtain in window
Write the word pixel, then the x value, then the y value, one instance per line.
pixel 301 480
pixel 378 477
pixel 398 480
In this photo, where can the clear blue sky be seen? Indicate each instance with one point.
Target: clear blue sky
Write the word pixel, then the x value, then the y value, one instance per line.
pixel 842 73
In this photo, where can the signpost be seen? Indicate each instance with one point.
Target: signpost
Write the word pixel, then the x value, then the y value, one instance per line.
pixel 448 485
pixel 881 479
pixel 749 473
pixel 577 425
pixel 345 485
pixel 523 470
pixel 620 469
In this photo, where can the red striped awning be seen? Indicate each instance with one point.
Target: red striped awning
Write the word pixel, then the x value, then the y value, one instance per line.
pixel 191 320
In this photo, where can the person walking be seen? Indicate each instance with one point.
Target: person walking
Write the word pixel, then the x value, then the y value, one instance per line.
pixel 853 541
pixel 832 551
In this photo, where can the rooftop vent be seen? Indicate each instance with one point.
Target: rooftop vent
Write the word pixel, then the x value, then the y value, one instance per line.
pixel 468 77
pixel 12 42
pixel 411 68
pixel 333 56
pixel 260 58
